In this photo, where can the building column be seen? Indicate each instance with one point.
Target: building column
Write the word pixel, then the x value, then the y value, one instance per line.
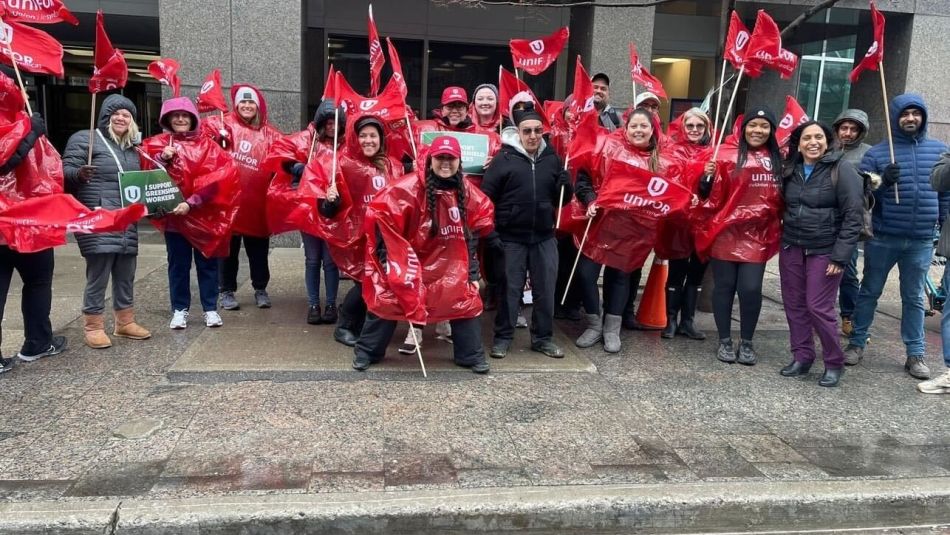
pixel 612 28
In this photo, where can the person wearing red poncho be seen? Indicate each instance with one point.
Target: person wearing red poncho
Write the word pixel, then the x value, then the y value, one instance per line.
pixel 485 109
pixel 20 134
pixel 364 170
pixel 674 240
pixel 744 228
pixel 636 144
pixel 288 158
pixel 421 264
pixel 200 227
pixel 248 136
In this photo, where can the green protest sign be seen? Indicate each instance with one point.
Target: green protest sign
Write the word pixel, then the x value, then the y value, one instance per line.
pixel 155 189
pixel 474 149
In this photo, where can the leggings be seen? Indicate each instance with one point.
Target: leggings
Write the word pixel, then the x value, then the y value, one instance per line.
pixel 686 272
pixel 745 279
pixel 616 287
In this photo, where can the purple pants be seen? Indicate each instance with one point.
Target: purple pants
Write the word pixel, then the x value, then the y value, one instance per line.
pixel 809 297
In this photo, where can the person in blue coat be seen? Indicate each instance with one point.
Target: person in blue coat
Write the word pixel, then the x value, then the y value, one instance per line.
pixel 904 229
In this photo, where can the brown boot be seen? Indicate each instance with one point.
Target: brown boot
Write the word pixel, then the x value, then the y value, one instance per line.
pixel 96 336
pixel 126 327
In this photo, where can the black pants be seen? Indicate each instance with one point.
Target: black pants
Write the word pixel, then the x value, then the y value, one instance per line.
pixel 256 249
pixel 731 278
pixel 566 253
pixel 686 272
pixel 615 287
pixel 353 310
pixel 466 339
pixel 541 260
pixel 633 281
pixel 36 272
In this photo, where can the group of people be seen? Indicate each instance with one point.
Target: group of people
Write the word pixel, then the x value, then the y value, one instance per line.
pixel 416 233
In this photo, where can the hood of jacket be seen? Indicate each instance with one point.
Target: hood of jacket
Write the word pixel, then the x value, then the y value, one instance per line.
pixel 112 104
pixel 179 104
pixel 901 103
pixel 261 108
pixel 325 112
pixel 510 137
pixel 857 116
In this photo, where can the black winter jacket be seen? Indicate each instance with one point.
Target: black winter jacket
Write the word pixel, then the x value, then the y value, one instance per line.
pixel 524 191
pixel 820 217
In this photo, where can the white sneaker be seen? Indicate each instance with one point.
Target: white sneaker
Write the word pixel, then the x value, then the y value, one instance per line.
pixel 408 346
pixel 179 320
pixel 937 385
pixel 443 331
pixel 213 319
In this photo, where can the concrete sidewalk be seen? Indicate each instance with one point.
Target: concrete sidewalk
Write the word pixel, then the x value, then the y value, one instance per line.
pixel 660 438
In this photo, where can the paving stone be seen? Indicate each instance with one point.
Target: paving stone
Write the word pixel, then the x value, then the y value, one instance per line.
pixel 122 479
pixel 138 429
pixel 33 490
pixel 711 462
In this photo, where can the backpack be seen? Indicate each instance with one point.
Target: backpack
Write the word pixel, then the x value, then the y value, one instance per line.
pixel 867 230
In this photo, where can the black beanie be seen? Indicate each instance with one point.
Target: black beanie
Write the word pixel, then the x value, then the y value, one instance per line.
pixel 759 112
pixel 521 116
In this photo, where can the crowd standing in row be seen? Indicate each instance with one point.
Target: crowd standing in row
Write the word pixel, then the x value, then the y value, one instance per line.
pixel 378 212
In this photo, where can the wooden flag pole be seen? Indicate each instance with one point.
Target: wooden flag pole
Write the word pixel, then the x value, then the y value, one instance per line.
pixel 560 202
pixel 415 340
pixel 92 127
pixel 336 119
pixel 412 137
pixel 722 81
pixel 313 142
pixel 576 259
pixel 19 80
pixel 732 101
pixel 887 118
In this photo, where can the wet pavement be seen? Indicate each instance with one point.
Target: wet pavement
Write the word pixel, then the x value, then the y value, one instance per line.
pixel 659 413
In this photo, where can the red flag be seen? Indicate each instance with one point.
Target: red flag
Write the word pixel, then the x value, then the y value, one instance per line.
pixel 537 55
pixel 111 72
pixel 765 49
pixel 583 141
pixel 37 12
pixel 376 59
pixel 736 41
pixel 509 87
pixel 398 77
pixel 390 105
pixel 794 115
pixel 875 53
pixel 583 95
pixel 647 196
pixel 642 76
pixel 166 71
pixel 210 96
pixel 34 50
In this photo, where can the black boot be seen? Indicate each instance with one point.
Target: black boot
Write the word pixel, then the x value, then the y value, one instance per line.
pixel 831 377
pixel 345 331
pixel 673 299
pixel 690 298
pixel 795 368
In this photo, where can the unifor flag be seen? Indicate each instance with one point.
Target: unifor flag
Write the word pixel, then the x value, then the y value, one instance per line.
pixel 110 72
pixel 793 117
pixel 875 54
pixel 583 96
pixel 165 70
pixel 376 59
pixel 534 56
pixel 211 95
pixel 736 41
pixel 765 49
pixel 510 87
pixel 642 76
pixel 398 78
pixel 584 124
pixel 36 11
pixel 33 50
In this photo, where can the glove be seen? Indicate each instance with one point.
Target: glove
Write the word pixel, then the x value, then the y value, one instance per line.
pixel 891 175
pixel 563 180
pixel 38 124
pixel 705 186
pixel 296 171
pixel 159 212
pixel 494 241
pixel 86 172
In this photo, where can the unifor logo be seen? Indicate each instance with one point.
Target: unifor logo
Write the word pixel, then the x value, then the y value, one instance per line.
pixel 872 50
pixel 133 193
pixel 207 86
pixel 786 121
pixel 6 33
pixel 368 104
pixel 766 163
pixel 742 39
pixel 378 182
pixel 393 267
pixel 537 46
pixel 244 146
pixel 657 186
pixel 454 214
pixel 589 103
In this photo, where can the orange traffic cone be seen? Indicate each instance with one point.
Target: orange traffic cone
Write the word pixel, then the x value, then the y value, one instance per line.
pixel 651 313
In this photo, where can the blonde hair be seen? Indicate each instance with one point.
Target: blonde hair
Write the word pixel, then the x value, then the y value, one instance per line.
pixel 125 141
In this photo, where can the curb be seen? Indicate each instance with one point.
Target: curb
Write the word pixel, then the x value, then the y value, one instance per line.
pixel 681 508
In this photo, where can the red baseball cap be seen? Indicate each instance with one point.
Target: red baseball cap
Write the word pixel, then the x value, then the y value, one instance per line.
pixel 445 145
pixel 454 94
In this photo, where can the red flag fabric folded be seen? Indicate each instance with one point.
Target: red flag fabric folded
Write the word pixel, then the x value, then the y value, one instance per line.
pixel 794 115
pixel 111 71
pixel 642 76
pixel 510 86
pixel 37 12
pixel 398 78
pixel 534 56
pixel 34 50
pixel 765 49
pixel 376 59
pixel 211 96
pixel 875 53
pixel 736 41
pixel 165 71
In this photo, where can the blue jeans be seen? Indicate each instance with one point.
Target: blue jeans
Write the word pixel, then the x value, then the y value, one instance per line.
pixel 180 254
pixel 315 252
pixel 848 293
pixel 945 319
pixel 912 257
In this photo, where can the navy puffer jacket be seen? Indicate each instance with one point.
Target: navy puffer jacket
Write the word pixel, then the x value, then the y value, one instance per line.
pixel 920 208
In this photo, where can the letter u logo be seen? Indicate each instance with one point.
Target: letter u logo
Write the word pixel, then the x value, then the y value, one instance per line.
pixel 657 186
pixel 537 46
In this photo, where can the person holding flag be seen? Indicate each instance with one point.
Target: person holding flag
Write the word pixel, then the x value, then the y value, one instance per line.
pixel 743 229
pixel 421 264
pixel 200 227
pixel 109 256
pixel 248 136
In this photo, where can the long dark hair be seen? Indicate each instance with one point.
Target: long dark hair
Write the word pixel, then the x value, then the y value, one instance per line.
pixel 793 141
pixel 431 180
pixel 772 144
pixel 654 137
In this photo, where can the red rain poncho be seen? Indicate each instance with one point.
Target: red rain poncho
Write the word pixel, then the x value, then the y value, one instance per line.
pixel 248 145
pixel 427 277
pixel 294 208
pixel 436 125
pixel 744 210
pixel 675 233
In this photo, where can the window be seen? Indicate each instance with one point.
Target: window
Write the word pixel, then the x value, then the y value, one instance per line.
pixel 350 55
pixel 823 87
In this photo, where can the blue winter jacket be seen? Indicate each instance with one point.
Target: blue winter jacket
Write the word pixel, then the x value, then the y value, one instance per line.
pixel 920 208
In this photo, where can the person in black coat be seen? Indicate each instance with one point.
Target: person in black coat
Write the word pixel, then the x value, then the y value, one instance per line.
pixel 524 181
pixel 820 229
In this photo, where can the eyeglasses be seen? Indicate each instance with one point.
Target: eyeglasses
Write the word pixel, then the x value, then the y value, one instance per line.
pixel 695 126
pixel 536 131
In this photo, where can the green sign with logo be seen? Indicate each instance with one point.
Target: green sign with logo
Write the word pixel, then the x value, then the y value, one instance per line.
pixel 474 149
pixel 155 189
